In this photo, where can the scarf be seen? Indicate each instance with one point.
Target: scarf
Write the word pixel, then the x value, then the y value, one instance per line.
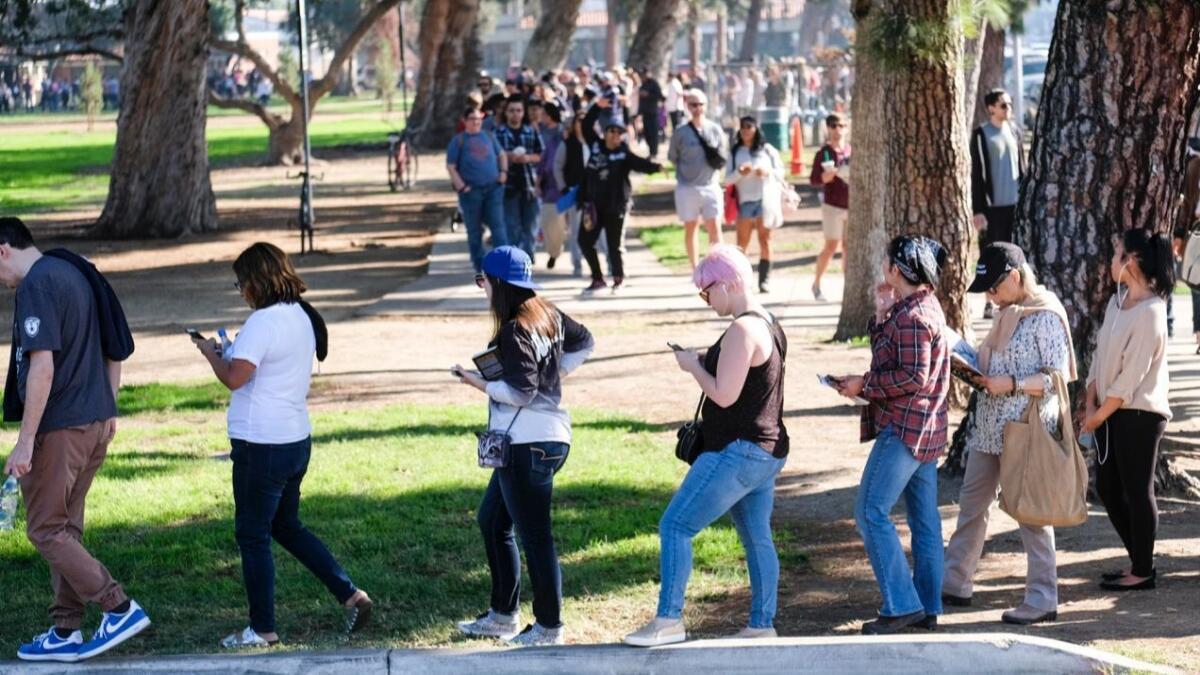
pixel 1007 320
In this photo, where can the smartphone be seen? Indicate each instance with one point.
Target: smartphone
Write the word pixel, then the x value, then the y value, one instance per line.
pixel 195 334
pixel 674 346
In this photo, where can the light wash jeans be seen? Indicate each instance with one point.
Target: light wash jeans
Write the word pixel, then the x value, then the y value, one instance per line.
pixel 739 480
pixel 483 204
pixel 892 471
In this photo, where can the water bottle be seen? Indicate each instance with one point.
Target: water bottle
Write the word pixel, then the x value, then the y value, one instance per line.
pixel 8 504
pixel 226 352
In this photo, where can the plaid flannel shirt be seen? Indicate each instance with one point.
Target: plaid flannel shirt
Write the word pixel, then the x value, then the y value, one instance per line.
pixel 527 138
pixel 909 381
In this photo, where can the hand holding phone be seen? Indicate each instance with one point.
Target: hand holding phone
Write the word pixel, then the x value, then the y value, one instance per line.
pixel 194 334
pixel 674 346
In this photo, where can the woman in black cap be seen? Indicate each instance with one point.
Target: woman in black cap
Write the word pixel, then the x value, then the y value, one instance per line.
pixel 537 345
pixel 1030 334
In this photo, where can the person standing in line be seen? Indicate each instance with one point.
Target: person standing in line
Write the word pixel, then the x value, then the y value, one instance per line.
pixel 1189 219
pixel 908 390
pixel 537 345
pixel 1126 403
pixel 676 102
pixel 1031 334
pixel 997 166
pixel 269 369
pixel 755 162
pixel 554 224
pixel 68 390
pixel 745 447
pixel 570 165
pixel 522 147
pixel 699 151
pixel 831 172
pixel 478 169
pixel 650 99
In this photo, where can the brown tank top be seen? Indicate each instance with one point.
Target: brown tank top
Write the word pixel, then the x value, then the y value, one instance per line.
pixel 757 415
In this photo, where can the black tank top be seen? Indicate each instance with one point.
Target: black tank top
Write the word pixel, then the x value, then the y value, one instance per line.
pixel 757 415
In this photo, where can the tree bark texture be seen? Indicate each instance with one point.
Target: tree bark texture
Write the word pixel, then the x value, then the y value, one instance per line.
pixel 159 184
pixel 972 55
pixel 655 37
pixel 694 35
pixel 551 39
pixel 866 238
pixel 612 35
pixel 450 57
pixel 991 73
pixel 722 41
pixel 1109 144
pixel 750 36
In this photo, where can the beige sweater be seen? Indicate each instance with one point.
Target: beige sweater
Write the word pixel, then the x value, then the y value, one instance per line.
pixel 1130 361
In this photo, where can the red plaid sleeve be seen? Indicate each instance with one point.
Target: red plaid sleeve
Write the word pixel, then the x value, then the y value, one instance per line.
pixel 908 371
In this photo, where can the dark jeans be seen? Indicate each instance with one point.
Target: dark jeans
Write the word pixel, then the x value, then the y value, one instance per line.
pixel 612 224
pixel 266 497
pixel 650 132
pixel 999 224
pixel 519 494
pixel 520 217
pixel 1128 442
pixel 479 205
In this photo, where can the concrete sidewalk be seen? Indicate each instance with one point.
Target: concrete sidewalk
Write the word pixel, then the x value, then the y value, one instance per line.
pixel 915 654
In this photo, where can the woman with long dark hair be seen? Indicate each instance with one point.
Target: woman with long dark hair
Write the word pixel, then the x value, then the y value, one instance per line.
pixel 1126 399
pixel 755 164
pixel 537 345
pixel 269 368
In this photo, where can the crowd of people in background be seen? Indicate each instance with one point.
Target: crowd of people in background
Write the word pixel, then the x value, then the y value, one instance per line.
pixel 52 94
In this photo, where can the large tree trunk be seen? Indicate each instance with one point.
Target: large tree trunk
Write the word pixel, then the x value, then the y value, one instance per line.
pixel 750 36
pixel 450 55
pixel 722 41
pixel 694 36
pixel 972 55
pixel 612 35
pixel 654 40
pixel 866 239
pixel 551 39
pixel 814 23
pixel 991 73
pixel 159 184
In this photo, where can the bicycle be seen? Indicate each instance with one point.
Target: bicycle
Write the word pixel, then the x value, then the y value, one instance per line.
pixel 402 160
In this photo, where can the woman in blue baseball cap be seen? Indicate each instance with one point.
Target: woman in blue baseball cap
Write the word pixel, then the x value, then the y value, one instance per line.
pixel 537 345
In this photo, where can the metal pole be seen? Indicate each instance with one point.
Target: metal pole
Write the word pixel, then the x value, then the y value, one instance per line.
pixel 306 211
pixel 403 67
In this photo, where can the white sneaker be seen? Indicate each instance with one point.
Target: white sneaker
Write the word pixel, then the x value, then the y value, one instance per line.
pixel 247 639
pixel 539 636
pixel 492 624
pixel 754 633
pixel 658 632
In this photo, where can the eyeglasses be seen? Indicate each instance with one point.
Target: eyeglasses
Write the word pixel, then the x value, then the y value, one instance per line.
pixel 695 104
pixel 704 292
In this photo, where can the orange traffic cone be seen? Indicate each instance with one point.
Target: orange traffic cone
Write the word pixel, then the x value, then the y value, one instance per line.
pixel 797 147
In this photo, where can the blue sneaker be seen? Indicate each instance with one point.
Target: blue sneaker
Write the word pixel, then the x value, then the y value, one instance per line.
pixel 49 647
pixel 115 629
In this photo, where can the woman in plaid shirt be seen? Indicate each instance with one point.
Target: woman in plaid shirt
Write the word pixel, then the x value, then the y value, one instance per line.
pixel 907 389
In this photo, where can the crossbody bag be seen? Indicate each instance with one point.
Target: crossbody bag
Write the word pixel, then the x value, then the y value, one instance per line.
pixel 494 448
pixel 712 156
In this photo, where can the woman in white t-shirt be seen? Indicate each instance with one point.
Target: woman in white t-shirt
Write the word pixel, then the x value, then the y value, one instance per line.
pixel 757 173
pixel 268 368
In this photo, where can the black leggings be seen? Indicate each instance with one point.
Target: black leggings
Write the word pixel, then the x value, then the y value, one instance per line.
pixel 1128 442
pixel 612 223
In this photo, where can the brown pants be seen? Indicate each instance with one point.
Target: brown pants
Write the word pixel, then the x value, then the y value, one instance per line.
pixel 64 463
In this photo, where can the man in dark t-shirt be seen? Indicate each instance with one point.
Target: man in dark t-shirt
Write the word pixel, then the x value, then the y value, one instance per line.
pixel 69 392
pixel 650 99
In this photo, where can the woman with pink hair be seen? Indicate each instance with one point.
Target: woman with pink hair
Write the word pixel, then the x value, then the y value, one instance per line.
pixel 744 446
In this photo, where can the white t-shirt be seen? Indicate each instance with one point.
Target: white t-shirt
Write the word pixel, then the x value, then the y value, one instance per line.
pixel 271 408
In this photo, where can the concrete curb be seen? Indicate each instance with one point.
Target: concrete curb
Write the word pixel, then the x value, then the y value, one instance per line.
pixel 924 654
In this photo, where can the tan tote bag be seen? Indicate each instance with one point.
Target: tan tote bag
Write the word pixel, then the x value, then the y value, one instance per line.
pixel 1043 479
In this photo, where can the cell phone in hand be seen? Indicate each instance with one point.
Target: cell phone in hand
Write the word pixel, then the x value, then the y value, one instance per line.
pixel 674 346
pixel 195 334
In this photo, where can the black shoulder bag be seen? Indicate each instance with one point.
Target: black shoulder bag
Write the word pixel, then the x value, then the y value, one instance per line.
pixel 689 443
pixel 495 447
pixel 712 156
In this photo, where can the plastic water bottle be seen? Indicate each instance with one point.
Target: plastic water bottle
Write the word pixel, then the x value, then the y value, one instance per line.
pixel 8 504
pixel 226 352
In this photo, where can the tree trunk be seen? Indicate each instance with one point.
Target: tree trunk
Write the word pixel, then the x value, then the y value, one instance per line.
pixel 612 35
pixel 285 142
pixel 866 239
pixel 722 41
pixel 450 56
pixel 694 36
pixel 972 55
pixel 814 24
pixel 750 36
pixel 551 39
pixel 159 184
pixel 655 37
pixel 991 73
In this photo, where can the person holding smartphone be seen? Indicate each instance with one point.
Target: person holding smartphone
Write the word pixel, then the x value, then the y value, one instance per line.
pixel 269 369
pixel 745 447
pixel 538 345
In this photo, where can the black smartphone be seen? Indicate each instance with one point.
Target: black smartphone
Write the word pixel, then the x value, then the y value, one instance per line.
pixel 195 334
pixel 674 346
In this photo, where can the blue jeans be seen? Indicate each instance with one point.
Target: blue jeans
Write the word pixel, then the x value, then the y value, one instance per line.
pixel 266 497
pixel 891 471
pixel 519 495
pixel 483 205
pixel 739 480
pixel 520 216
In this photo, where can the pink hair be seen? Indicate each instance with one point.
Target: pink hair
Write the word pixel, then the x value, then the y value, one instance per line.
pixel 725 263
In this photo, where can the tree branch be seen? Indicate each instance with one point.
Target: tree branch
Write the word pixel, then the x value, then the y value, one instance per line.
pixel 282 87
pixel 80 50
pixel 269 118
pixel 346 49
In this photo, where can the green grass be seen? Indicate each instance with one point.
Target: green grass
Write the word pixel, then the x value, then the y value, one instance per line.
pixel 366 103
pixel 393 492
pixel 62 168
pixel 666 243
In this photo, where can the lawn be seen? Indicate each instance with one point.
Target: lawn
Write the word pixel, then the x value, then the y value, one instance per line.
pixel 393 492
pixel 666 243
pixel 63 168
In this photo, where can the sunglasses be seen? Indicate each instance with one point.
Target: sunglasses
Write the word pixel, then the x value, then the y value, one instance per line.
pixel 1006 106
pixel 695 105
pixel 836 126
pixel 1003 278
pixel 704 292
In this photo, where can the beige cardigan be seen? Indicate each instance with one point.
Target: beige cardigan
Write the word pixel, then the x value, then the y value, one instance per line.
pixel 1130 361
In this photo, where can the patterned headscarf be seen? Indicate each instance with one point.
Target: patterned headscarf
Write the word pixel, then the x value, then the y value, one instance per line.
pixel 918 258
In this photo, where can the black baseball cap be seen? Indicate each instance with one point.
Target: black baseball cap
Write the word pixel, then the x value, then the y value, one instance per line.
pixel 995 261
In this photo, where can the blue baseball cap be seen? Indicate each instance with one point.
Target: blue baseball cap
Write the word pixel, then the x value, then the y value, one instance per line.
pixel 511 265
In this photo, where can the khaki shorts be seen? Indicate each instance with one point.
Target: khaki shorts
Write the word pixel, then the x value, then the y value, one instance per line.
pixel 833 222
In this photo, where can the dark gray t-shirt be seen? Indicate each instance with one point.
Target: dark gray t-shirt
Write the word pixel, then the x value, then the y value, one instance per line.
pixel 56 312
